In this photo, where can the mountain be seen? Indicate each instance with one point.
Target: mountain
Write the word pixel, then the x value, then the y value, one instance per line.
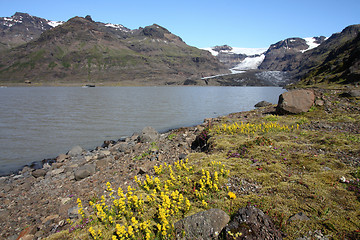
pixel 334 59
pixel 282 55
pixel 339 60
pixel 81 50
pixel 236 58
pixel 309 60
pixel 22 28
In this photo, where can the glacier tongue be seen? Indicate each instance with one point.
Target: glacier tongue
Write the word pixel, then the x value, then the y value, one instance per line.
pixel 249 63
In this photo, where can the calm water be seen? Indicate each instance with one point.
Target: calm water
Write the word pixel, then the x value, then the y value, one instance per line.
pixel 43 122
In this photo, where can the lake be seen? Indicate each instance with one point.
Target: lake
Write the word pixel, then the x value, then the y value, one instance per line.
pixel 43 122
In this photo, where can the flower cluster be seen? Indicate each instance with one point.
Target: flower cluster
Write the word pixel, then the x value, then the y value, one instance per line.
pixel 249 128
pixel 165 198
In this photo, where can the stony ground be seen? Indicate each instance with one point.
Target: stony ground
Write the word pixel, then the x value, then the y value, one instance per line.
pixel 47 200
pixel 41 201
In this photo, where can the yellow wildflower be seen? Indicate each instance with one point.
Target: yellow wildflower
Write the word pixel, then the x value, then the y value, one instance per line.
pixel 232 195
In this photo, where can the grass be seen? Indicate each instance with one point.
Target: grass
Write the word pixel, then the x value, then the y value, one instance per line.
pixel 276 163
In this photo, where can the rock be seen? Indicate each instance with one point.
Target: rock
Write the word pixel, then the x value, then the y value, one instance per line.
pixel 318 235
pixel 73 212
pixel 56 172
pixel 295 101
pixel 57 165
pixel 262 104
pixel 27 233
pixel 39 173
pixel 122 147
pixel 146 167
pixel 351 93
pixel 250 223
pixel 298 217
pixel 182 156
pixel 319 102
pixel 62 157
pixel 149 134
pixel 202 225
pixel 103 163
pixel 27 237
pixel 77 150
pixel 84 171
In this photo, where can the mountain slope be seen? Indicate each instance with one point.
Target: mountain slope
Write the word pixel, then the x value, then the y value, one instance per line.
pixel 336 58
pixel 342 65
pixel 286 54
pixel 88 51
pixel 22 28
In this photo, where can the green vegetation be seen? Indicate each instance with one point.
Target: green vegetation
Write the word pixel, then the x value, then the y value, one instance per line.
pixel 281 164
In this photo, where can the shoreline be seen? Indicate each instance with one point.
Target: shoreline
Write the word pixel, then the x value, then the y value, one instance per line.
pixel 44 199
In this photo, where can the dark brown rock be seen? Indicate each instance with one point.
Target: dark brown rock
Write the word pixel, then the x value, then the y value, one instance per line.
pixel 39 173
pixel 252 224
pixel 263 104
pixel 295 101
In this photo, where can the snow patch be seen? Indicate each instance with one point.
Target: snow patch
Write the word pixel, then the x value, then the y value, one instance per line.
pixel 248 51
pixel 55 23
pixel 249 63
pixel 237 50
pixel 116 26
pixel 311 42
pixel 214 53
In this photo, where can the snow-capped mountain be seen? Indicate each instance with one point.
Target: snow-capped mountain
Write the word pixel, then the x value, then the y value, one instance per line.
pixel 22 28
pixel 238 59
pixel 242 59
pixel 26 19
pixel 284 55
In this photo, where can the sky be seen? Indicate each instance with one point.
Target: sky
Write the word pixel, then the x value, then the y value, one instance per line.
pixel 201 23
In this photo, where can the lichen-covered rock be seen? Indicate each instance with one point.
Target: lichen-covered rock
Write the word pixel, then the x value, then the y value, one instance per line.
pixel 202 225
pixel 252 224
pixel 295 101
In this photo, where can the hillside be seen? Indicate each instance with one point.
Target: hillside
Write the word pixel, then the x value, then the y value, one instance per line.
pixel 82 50
pixel 340 66
pixel 22 28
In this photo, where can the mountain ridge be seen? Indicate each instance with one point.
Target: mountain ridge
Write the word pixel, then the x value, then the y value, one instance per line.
pixel 87 51
pixel 82 50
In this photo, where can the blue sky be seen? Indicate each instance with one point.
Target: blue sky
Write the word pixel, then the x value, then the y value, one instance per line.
pixel 200 23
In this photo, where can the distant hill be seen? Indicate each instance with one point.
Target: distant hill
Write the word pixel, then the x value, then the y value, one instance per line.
pixel 81 50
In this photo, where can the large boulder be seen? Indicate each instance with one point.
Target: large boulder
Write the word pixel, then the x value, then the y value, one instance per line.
pixel 202 225
pixel 295 101
pixel 250 223
pixel 149 134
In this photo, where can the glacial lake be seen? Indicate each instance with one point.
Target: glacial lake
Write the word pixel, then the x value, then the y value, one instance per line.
pixel 42 122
